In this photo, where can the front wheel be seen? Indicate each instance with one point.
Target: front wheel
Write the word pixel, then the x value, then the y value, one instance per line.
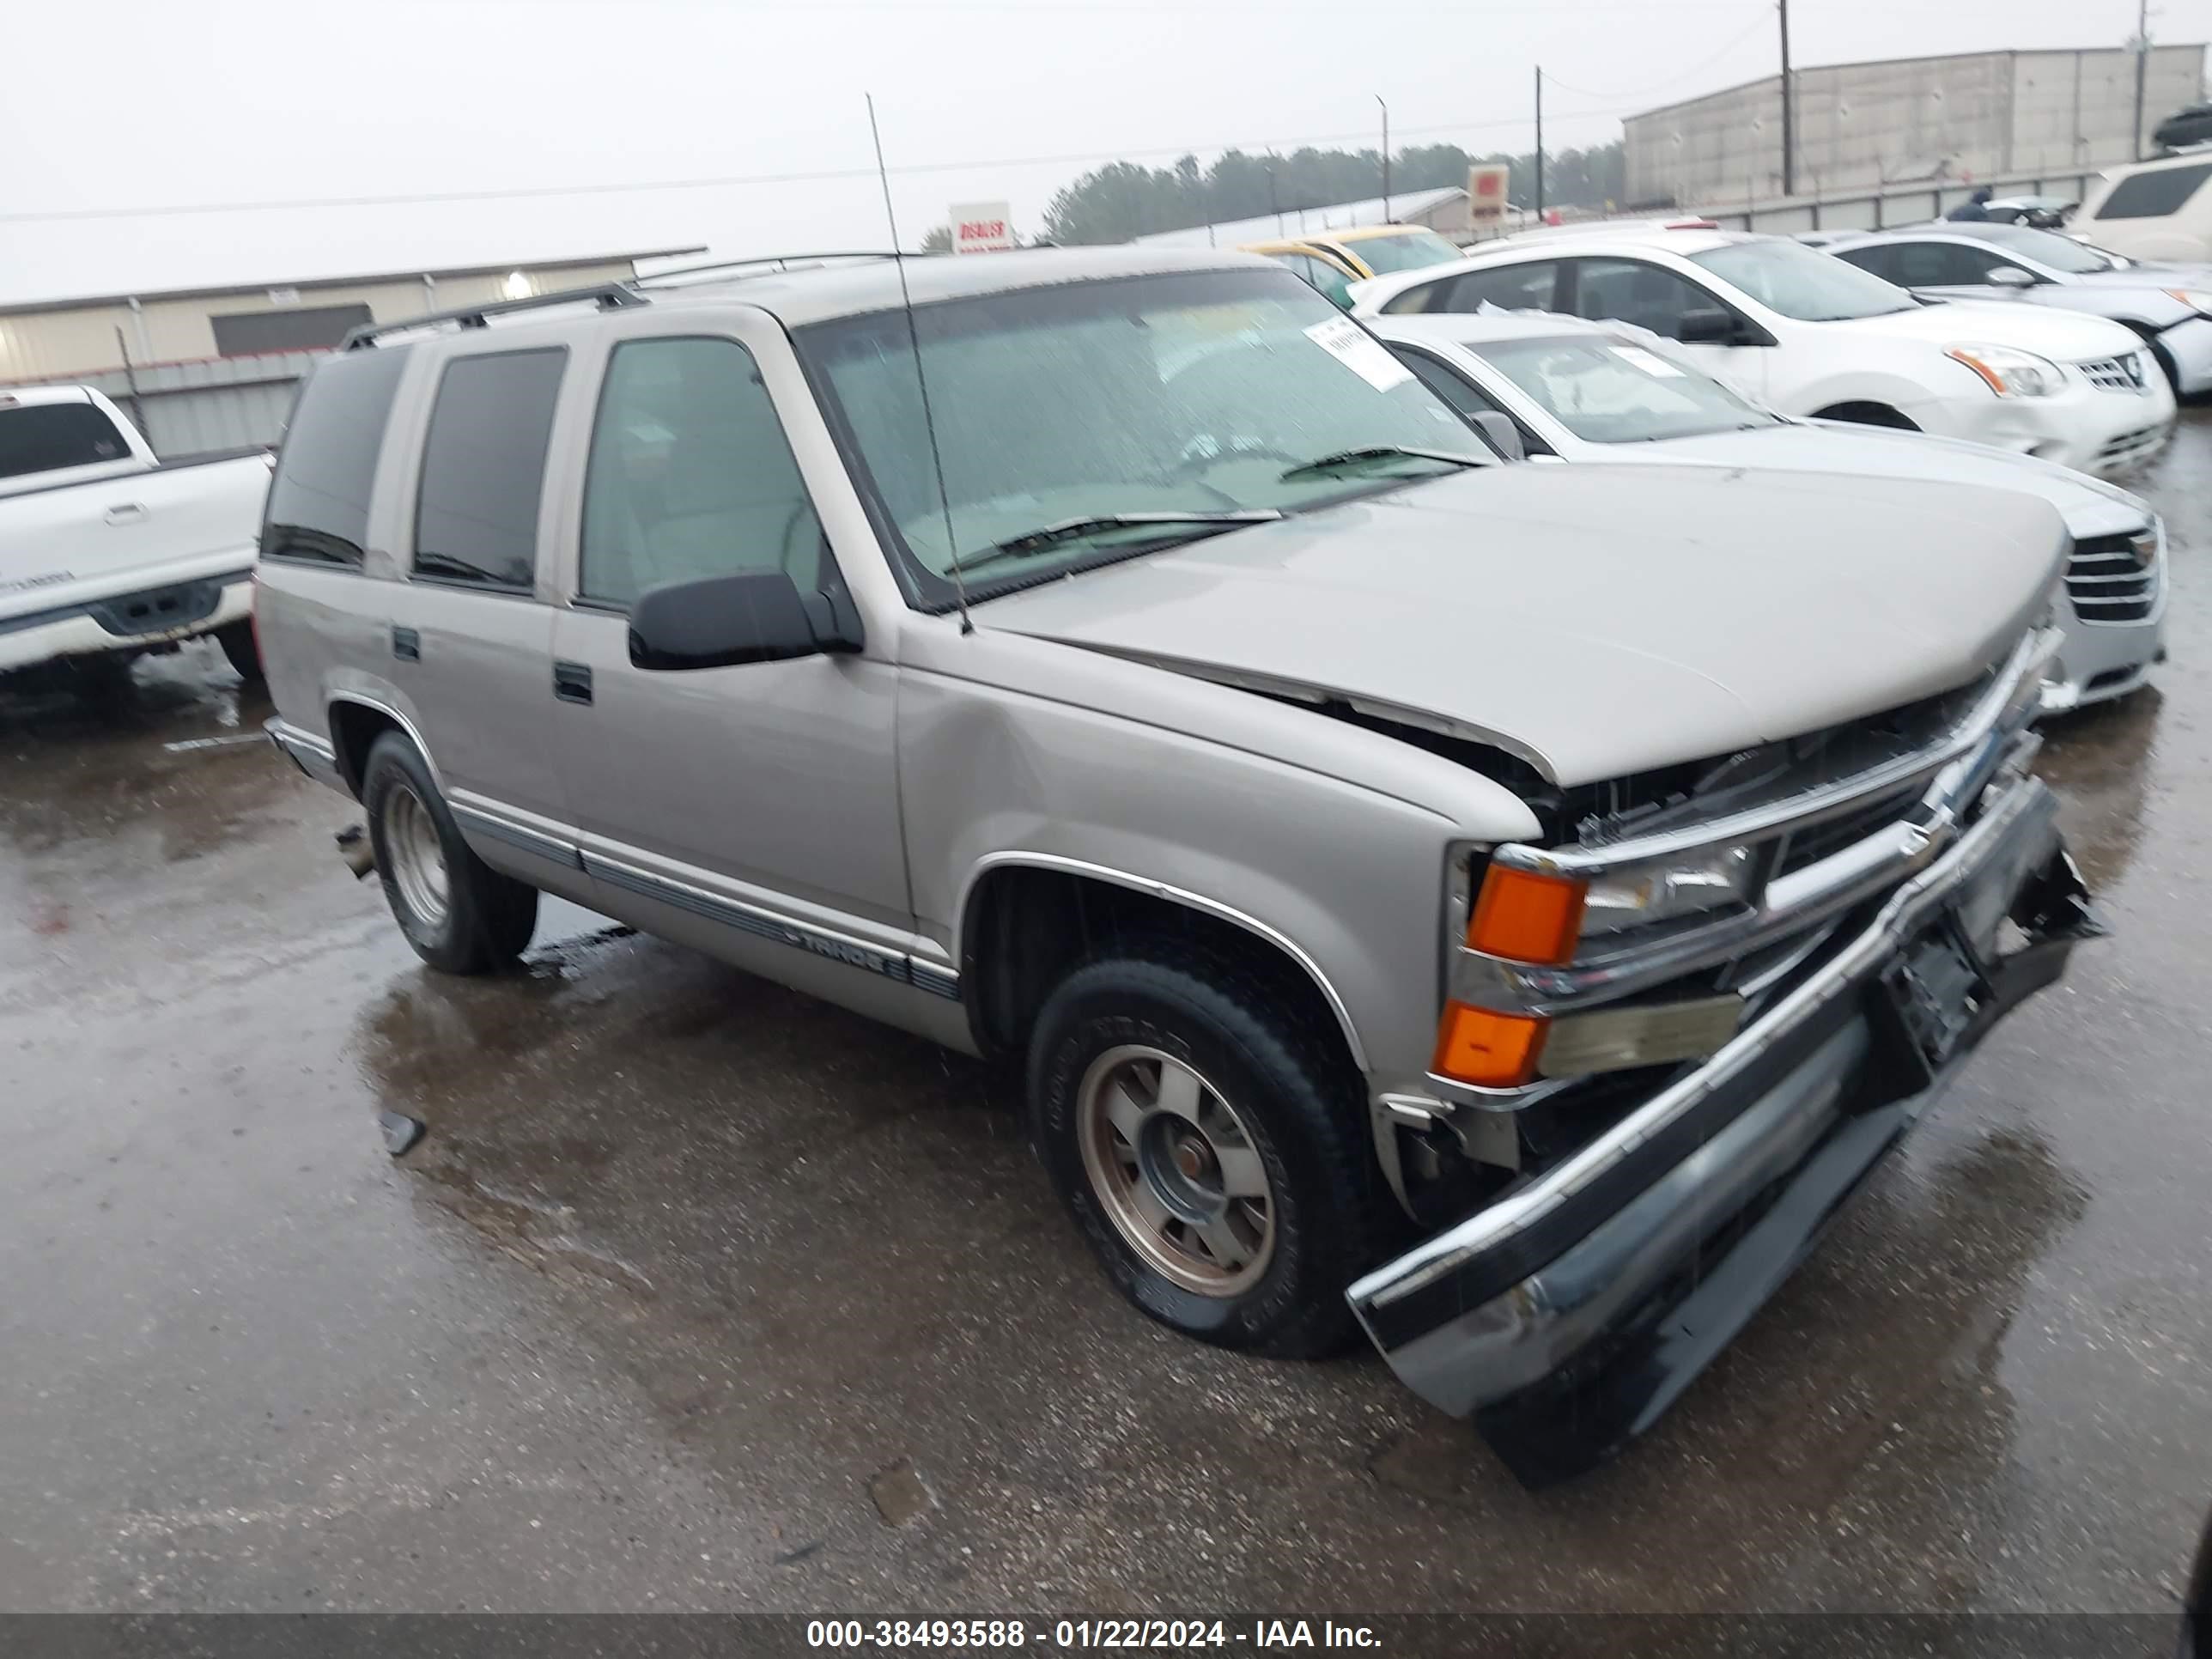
pixel 1213 1151
pixel 460 914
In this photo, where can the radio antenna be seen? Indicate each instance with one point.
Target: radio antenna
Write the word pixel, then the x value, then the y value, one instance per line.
pixel 914 339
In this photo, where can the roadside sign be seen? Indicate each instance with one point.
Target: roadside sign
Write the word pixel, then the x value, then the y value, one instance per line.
pixel 981 228
pixel 1485 195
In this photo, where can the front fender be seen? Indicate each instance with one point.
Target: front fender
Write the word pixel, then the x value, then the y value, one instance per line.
pixel 1348 879
pixel 1912 397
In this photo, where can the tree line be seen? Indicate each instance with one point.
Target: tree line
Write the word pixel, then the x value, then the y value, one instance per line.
pixel 1123 199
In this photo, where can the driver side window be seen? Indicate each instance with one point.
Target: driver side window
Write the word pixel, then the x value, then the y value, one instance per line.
pixel 689 474
pixel 1944 264
pixel 1644 296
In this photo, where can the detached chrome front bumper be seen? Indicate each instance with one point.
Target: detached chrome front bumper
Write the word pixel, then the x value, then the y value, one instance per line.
pixel 1568 1314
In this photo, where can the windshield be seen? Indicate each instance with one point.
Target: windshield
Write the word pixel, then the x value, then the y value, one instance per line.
pixel 1606 391
pixel 1411 252
pixel 1188 393
pixel 2054 252
pixel 1803 283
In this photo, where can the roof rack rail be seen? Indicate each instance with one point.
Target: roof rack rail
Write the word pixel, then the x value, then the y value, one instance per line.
pixel 607 296
pixel 773 262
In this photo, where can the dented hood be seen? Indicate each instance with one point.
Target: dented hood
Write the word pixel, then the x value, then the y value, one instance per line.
pixel 1596 620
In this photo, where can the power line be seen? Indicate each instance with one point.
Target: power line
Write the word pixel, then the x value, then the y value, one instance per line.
pixel 1756 24
pixel 735 181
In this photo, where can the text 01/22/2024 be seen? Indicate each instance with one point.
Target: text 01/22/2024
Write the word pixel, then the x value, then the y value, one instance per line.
pixel 1140 1634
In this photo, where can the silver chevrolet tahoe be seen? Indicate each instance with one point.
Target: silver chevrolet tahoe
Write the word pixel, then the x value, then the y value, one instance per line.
pixel 1502 908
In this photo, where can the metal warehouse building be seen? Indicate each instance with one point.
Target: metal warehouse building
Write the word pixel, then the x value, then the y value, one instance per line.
pixel 206 368
pixel 1992 116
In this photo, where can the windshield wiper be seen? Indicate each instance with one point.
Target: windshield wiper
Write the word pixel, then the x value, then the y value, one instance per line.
pixel 1074 530
pixel 1344 458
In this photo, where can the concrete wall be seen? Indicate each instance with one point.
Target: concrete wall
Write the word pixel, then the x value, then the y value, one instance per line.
pixel 80 341
pixel 1978 116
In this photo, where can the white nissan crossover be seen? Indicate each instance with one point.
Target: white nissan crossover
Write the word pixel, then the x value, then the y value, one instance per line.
pixel 1803 332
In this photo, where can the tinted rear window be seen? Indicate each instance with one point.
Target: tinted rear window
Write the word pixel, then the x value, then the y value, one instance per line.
pixel 2153 195
pixel 318 500
pixel 46 437
pixel 483 465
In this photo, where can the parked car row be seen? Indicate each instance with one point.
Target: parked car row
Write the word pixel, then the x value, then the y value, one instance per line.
pixel 2168 306
pixel 1503 908
pixel 1334 260
pixel 1807 333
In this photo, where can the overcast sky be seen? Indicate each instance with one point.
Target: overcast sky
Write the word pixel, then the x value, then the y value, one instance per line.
pixel 132 104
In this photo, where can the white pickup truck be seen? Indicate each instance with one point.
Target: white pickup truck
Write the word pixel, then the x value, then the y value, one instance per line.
pixel 108 553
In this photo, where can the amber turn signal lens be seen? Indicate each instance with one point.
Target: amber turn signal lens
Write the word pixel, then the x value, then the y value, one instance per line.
pixel 1525 917
pixel 1491 1050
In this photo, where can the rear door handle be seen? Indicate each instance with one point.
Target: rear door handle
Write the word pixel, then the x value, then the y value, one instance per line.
pixel 572 681
pixel 125 512
pixel 406 645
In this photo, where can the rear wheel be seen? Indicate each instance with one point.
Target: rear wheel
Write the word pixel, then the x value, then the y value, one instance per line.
pixel 1213 1151
pixel 237 645
pixel 460 914
pixel 2166 367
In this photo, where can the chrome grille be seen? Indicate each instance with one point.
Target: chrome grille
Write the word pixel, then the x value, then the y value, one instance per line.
pixel 2125 373
pixel 1801 848
pixel 2114 578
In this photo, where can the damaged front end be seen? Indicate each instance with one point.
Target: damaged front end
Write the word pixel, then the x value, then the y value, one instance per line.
pixel 1789 1032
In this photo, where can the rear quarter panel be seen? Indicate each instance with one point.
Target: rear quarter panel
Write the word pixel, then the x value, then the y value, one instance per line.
pixel 325 633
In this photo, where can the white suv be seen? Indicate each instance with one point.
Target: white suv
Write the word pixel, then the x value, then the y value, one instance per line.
pixel 1808 334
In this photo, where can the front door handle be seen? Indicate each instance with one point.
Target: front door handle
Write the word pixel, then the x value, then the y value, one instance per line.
pixel 572 681
pixel 125 512
pixel 406 645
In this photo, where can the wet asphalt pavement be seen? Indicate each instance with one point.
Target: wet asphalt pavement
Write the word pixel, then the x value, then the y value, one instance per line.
pixel 701 1295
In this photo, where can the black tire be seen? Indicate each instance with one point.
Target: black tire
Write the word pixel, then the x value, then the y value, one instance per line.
pixel 1880 415
pixel 103 678
pixel 1298 1102
pixel 488 917
pixel 237 643
pixel 2166 367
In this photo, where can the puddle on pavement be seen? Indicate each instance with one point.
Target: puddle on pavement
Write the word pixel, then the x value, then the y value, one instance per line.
pixel 2101 761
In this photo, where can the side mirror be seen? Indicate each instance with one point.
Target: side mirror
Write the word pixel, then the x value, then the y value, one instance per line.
pixel 2007 276
pixel 723 621
pixel 1500 434
pixel 1709 326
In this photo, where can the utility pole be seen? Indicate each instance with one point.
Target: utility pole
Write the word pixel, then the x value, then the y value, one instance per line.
pixel 1385 108
pixel 1539 141
pixel 2142 60
pixel 1789 111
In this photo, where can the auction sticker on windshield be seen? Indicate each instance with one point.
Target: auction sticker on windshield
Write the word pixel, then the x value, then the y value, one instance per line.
pixel 1649 362
pixel 1359 351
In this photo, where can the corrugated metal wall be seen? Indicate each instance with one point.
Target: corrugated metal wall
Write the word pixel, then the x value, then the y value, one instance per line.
pixel 1979 116
pixel 190 408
